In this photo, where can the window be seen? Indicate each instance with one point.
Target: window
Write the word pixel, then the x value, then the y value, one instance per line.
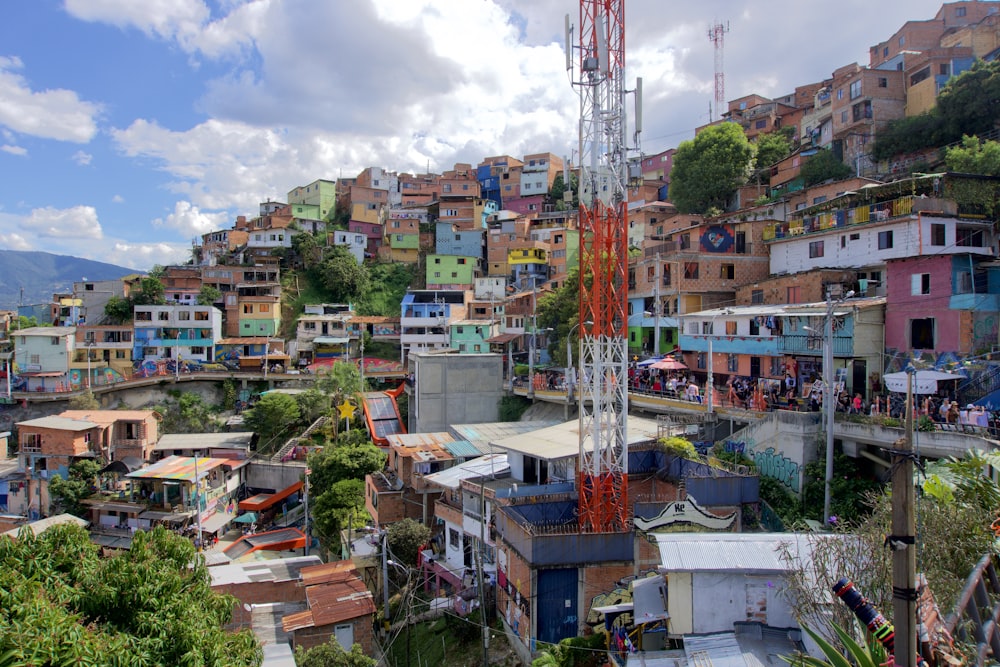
pixel 937 233
pixel 794 294
pixel 843 241
pixel 922 333
pixel 757 296
pixel 963 282
pixel 902 40
pixel 760 124
pixel 885 240
pixel 197 350
pixel 754 327
pixel 855 89
pixel 732 362
pixel 690 270
pixel 730 328
pixel 969 238
pixel 885 51
pixel 701 360
pixel 201 315
pixel 454 541
pixel 685 241
pixel 843 116
pixel 815 249
pixel 728 272
pixel 163 316
pixel 437 274
pixel 437 260
pixel 454 274
pixel 920 283
pixel 264 307
pixel 883 82
pixel 248 309
pixel 959 12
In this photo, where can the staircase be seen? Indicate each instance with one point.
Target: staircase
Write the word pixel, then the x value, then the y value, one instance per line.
pixel 979 386
pixel 300 439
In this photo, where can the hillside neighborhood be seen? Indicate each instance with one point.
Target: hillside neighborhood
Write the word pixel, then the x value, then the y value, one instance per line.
pixel 429 328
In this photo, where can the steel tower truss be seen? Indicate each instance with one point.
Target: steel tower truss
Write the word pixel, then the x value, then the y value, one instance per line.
pixel 603 463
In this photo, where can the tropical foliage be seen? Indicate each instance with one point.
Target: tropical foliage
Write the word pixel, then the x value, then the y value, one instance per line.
pixel 61 603
pixel 66 494
pixel 709 168
pixel 332 654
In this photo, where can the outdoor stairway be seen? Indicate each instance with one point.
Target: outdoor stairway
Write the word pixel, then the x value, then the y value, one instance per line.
pixel 300 439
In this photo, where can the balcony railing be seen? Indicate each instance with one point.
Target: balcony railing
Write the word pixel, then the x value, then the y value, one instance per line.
pixel 814 345
pixel 844 217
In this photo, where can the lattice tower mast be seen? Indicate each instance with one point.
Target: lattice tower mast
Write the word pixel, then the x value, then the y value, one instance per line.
pixel 603 461
pixel 716 33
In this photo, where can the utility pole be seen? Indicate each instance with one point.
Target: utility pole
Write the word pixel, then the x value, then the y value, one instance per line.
pixel 479 568
pixel 656 307
pixel 305 521
pixel 828 405
pixel 385 582
pixel 903 540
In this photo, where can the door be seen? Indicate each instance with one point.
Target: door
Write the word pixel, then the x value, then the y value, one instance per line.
pixel 345 635
pixel 557 602
pixel 859 377
pixel 755 367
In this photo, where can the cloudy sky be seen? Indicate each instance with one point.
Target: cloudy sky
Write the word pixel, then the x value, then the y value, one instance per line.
pixel 130 127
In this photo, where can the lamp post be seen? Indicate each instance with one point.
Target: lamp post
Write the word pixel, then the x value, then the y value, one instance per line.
pixel 710 387
pixel 571 380
pixel 828 404
pixel 90 347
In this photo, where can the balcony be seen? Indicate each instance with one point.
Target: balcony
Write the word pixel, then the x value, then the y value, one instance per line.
pixel 813 345
pixel 448 513
pixel 547 534
pixel 843 217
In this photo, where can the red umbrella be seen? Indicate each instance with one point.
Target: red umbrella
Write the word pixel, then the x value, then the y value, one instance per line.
pixel 668 364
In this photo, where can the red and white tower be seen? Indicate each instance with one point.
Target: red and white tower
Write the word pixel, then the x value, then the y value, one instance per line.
pixel 717 33
pixel 598 74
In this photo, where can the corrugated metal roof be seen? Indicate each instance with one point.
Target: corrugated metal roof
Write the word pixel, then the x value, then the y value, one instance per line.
pixel 484 466
pixel 462 449
pixel 481 435
pixel 418 439
pixel 336 602
pixel 730 552
pixel 563 441
pixel 179 468
pixel 40 526
pixel 59 423
pixel 324 573
pixel 108 416
pixel 238 439
pixel 285 569
pixel 718 650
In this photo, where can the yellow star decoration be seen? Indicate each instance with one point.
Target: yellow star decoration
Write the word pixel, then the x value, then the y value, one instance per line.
pixel 346 410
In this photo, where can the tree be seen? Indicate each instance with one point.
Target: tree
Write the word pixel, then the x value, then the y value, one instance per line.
pixel 771 149
pixel 67 494
pixel 335 463
pixel 312 404
pixel 273 416
pixel 560 311
pixel 150 292
pixel 709 168
pixel 823 166
pixel 118 310
pixel 84 401
pixel 208 295
pixel 334 508
pixel 344 279
pixel 187 413
pixel 968 104
pixel 405 539
pixel 307 248
pixel 151 605
pixel 558 190
pixel 332 654
pixel 24 322
pixel 973 157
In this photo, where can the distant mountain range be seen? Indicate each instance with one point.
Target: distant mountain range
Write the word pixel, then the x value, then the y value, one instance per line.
pixel 33 277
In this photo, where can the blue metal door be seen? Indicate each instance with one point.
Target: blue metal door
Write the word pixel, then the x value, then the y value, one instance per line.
pixel 557 605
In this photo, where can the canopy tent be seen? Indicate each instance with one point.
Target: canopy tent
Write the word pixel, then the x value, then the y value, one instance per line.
pixel 248 517
pixel 924 382
pixel 669 364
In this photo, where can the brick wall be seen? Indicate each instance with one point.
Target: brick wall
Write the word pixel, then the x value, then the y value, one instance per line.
pixel 514 600
pixel 307 638
pixel 810 286
pixel 262 592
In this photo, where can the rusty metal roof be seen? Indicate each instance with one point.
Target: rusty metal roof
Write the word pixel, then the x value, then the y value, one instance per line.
pixel 332 603
pixel 328 572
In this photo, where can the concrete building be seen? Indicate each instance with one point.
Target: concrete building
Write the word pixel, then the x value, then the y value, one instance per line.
pixel 176 332
pixel 453 388
pixel 321 194
pixel 43 356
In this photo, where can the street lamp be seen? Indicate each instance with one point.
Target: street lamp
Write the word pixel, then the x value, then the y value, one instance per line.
pixel 89 344
pixel 710 387
pixel 571 380
pixel 828 404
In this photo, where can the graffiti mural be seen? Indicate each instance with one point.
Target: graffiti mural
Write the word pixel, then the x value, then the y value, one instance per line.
pixel 685 511
pixel 984 331
pixel 621 594
pixel 717 238
pixel 778 466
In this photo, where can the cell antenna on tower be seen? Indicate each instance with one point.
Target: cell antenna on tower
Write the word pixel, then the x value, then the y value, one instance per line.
pixel 716 33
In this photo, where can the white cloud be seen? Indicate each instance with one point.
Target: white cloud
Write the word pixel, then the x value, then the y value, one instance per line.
pixel 118 199
pixel 14 150
pixel 78 222
pixel 190 221
pixel 50 114
pixel 81 158
pixel 47 230
pixel 14 241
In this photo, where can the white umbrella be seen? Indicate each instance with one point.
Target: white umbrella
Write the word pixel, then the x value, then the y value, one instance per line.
pixel 924 382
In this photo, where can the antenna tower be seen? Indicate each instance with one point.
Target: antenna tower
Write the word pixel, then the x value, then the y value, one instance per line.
pixel 716 33
pixel 598 74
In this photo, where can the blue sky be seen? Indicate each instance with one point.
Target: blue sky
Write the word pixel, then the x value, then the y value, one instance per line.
pixel 128 128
